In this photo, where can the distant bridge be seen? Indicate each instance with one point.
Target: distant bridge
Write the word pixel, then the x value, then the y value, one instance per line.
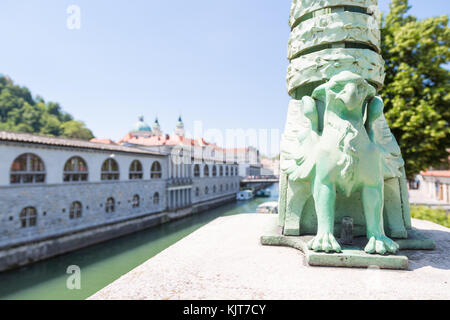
pixel 260 179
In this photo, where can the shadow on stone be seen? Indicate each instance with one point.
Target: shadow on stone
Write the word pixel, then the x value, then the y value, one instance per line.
pixel 438 258
pixel 353 255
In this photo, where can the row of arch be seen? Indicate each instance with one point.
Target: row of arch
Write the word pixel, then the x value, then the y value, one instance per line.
pixel 216 189
pixel 228 171
pixel 29 168
pixel 28 216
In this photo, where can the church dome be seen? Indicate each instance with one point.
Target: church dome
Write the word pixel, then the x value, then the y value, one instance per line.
pixel 141 126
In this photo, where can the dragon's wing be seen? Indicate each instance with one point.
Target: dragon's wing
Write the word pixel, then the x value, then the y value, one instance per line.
pixel 380 134
pixel 299 139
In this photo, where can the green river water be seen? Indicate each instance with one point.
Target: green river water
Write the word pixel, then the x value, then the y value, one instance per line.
pixel 104 263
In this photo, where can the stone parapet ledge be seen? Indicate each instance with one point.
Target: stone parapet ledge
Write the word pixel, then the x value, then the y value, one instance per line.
pixel 225 260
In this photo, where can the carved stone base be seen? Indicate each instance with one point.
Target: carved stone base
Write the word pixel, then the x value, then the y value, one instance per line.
pixel 352 256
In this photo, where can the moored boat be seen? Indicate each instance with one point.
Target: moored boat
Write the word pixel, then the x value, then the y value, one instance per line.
pixel 244 195
pixel 268 207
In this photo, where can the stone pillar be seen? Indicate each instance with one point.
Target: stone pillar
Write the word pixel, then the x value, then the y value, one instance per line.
pixel 168 170
pixel 445 192
pixel 175 203
pixel 183 198
pixel 172 200
pixel 173 171
pixel 429 189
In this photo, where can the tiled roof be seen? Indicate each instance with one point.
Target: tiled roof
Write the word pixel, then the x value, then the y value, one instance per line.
pixel 73 143
pixel 153 141
pixel 105 141
pixel 436 173
pixel 175 140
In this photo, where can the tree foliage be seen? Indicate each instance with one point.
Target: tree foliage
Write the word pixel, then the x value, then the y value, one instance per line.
pixel 416 92
pixel 19 112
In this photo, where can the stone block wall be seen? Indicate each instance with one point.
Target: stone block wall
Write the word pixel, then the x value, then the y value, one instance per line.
pixel 52 203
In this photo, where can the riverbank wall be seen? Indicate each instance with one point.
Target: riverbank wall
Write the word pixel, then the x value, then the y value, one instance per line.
pixel 25 253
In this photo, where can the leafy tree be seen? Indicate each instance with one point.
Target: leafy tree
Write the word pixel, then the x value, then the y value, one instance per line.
pixel 76 129
pixel 417 85
pixel 19 112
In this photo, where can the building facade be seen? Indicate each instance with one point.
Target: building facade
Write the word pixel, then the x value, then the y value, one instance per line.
pixel 199 173
pixel 270 167
pixel 58 195
pixel 435 184
pixel 248 160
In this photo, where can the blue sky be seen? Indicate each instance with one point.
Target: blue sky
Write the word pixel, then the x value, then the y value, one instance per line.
pixel 222 62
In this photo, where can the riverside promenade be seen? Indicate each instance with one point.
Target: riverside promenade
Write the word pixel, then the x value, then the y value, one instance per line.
pixel 225 260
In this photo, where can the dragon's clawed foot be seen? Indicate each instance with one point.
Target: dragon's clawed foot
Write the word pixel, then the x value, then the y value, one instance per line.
pixel 381 245
pixel 325 242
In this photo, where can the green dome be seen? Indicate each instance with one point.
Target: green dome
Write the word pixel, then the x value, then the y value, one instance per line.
pixel 141 126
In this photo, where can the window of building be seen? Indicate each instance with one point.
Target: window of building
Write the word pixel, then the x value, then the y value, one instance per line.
pixel 226 170
pixel 156 198
pixel 75 170
pixel 76 210
pixel 156 172
pixel 197 192
pixel 226 187
pixel 214 171
pixel 110 170
pixel 206 190
pixel 214 189
pixel 136 172
pixel 221 188
pixel 206 171
pixel 110 205
pixel 27 168
pixel 221 171
pixel 136 201
pixel 28 217
pixel 196 170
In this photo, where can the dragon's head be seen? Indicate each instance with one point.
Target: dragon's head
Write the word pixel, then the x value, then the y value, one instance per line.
pixel 346 89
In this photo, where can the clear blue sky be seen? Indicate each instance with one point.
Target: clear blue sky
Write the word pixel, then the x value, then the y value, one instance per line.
pixel 222 62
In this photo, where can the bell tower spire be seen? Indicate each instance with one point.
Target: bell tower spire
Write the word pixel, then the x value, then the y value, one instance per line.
pixel 179 131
